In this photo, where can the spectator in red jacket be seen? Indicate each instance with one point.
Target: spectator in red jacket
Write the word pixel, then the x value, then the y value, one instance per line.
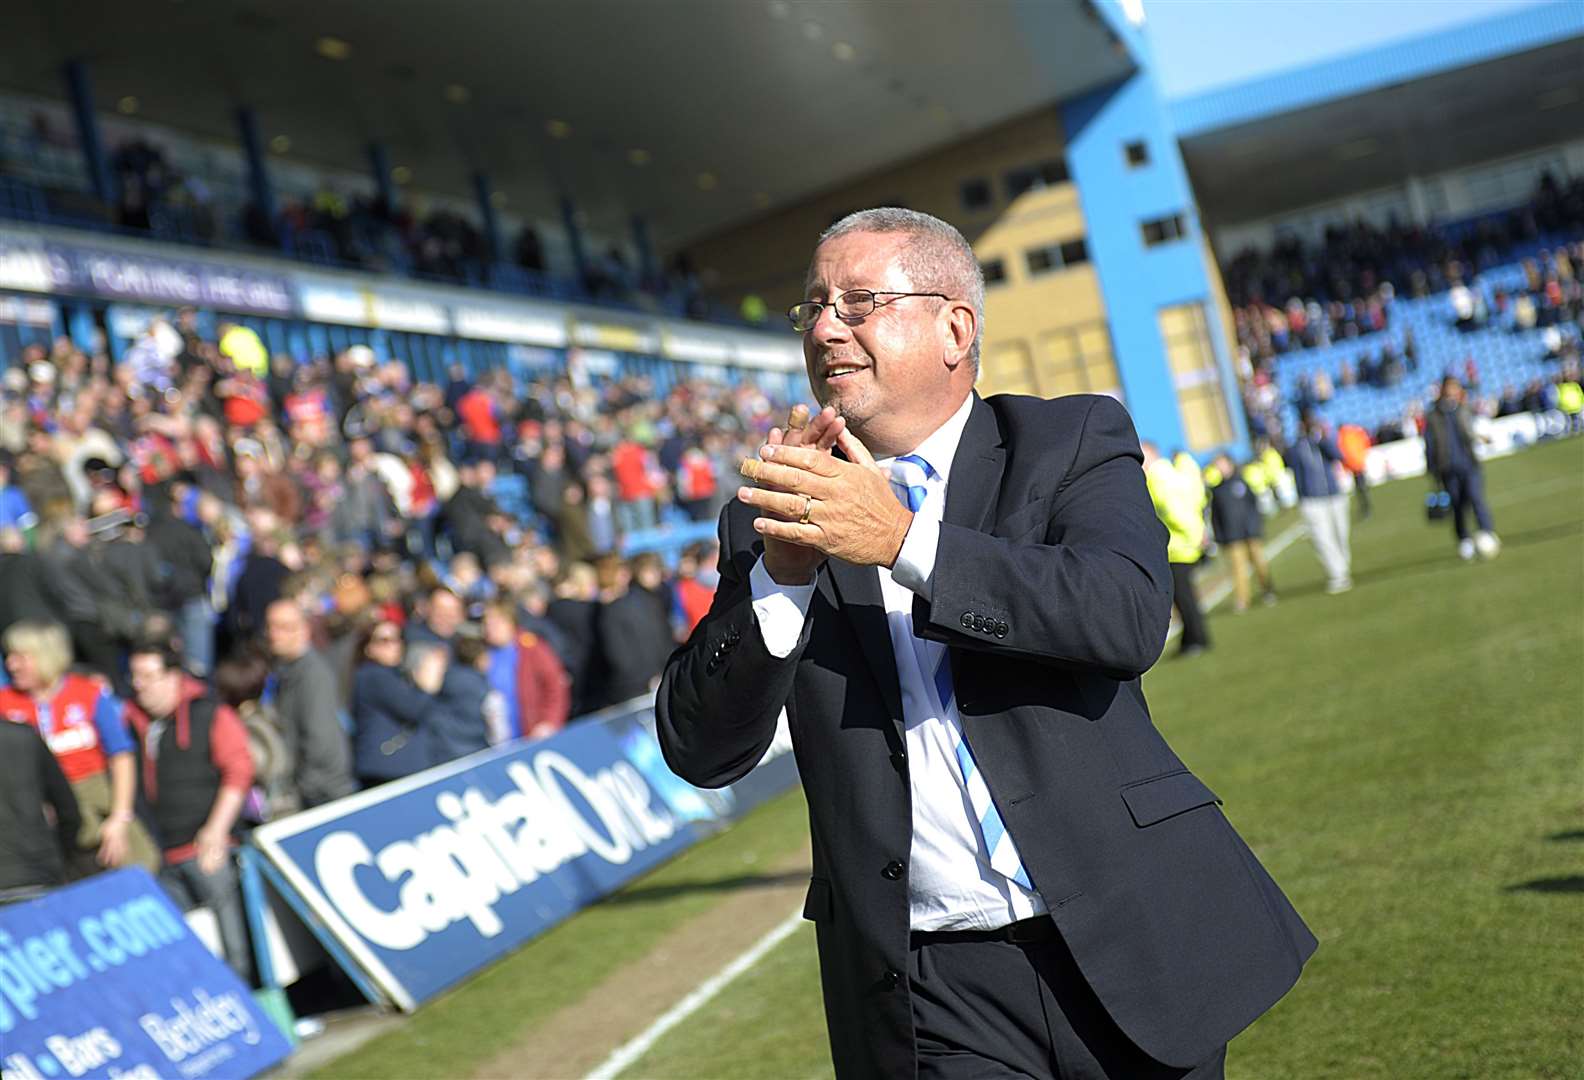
pixel 525 671
pixel 480 419
pixel 696 483
pixel 634 467
pixel 196 771
pixel 81 722
pixel 695 583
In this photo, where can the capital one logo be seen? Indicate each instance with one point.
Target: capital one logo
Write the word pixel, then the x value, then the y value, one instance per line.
pixel 490 849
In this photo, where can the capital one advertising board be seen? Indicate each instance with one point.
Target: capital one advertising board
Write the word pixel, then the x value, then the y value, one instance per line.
pixel 430 878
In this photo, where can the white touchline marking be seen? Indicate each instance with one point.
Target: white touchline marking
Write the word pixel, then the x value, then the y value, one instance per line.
pixel 639 1045
pixel 1224 590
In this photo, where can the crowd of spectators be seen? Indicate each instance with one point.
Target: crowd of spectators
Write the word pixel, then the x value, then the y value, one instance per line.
pixel 1299 296
pixel 263 586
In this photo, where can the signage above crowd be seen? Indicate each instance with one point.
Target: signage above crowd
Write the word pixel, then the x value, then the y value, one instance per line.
pixel 63 264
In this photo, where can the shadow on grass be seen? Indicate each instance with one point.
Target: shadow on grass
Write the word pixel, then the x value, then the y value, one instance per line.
pixel 1443 561
pixel 1571 884
pixel 649 894
pixel 1569 834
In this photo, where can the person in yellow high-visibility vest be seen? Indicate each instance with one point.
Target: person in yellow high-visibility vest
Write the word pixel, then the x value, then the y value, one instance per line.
pixel 1180 507
pixel 1276 472
pixel 1570 400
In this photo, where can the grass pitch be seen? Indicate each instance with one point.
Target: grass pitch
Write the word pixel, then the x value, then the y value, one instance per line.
pixel 1405 758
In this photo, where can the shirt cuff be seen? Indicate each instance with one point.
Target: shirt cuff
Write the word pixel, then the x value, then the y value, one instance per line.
pixel 780 610
pixel 915 563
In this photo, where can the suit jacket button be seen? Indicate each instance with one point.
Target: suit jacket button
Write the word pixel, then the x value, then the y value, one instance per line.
pixel 733 636
pixel 899 760
pixel 1001 629
pixel 967 620
pixel 978 621
pixel 893 870
pixel 890 980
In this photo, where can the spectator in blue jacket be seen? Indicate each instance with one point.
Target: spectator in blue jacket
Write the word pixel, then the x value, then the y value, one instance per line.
pixel 1316 464
pixel 394 707
pixel 15 510
pixel 469 710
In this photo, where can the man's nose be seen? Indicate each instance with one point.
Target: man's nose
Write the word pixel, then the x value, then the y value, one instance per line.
pixel 830 326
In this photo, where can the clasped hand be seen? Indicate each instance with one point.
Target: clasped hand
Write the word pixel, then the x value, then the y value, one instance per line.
pixel 841 509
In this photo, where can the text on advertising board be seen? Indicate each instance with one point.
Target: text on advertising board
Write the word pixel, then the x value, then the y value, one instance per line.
pixel 104 978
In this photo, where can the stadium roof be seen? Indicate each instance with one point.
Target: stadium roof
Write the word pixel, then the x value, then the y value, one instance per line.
pixel 774 100
pixel 1472 93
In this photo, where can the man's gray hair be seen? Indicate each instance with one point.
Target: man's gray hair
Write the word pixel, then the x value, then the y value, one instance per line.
pixel 935 257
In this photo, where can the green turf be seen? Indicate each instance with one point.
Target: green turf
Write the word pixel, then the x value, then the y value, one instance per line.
pixel 1406 760
pixel 468 1026
pixel 774 1008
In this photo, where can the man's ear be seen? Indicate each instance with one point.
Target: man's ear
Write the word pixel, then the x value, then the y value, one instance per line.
pixel 960 326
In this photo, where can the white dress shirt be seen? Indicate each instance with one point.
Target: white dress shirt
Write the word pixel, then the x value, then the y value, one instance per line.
pixel 951 885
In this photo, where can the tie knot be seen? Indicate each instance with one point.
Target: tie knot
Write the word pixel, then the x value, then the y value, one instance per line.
pixel 908 476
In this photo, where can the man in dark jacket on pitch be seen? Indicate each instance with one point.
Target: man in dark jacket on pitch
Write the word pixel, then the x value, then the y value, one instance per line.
pixel 1449 457
pixel 1240 529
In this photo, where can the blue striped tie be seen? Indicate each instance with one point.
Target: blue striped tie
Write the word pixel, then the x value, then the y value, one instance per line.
pixel 909 476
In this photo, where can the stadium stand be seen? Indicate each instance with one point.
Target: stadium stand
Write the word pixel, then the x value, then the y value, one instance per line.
pixel 1496 302
pixel 196 200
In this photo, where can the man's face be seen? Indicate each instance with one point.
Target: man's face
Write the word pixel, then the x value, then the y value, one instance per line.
pixel 446 613
pixel 287 630
pixel 888 364
pixel 156 687
pixel 498 629
pixel 1452 391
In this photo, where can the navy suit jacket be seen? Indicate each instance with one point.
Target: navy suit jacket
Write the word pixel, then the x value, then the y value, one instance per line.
pixel 1052 592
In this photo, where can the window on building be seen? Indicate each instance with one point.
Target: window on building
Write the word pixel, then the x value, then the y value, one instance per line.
pixel 1054 172
pixel 1041 174
pixel 1164 230
pixel 1077 360
pixel 1007 368
pixel 994 271
pixel 975 194
pixel 1042 260
pixel 1137 153
pixel 1190 355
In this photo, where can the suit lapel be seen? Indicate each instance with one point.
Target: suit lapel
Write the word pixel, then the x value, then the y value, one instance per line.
pixel 975 483
pixel 859 590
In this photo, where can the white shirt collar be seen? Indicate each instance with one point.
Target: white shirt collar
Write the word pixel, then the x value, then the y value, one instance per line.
pixel 940 447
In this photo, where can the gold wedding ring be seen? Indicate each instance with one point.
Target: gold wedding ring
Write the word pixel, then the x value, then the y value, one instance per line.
pixel 798 418
pixel 808 504
pixel 750 468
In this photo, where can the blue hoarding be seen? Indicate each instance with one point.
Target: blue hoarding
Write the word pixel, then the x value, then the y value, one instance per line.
pixel 104 979
pixel 426 880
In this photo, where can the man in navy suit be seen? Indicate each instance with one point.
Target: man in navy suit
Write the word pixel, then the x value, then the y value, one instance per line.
pixel 1014 875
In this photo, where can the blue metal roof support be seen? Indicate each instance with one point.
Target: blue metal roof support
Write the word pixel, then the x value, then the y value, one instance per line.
pixel 80 87
pixel 1373 69
pixel 1135 280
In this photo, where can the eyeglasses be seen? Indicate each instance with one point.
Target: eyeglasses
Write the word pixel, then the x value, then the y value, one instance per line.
pixel 852 304
pixel 383 639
